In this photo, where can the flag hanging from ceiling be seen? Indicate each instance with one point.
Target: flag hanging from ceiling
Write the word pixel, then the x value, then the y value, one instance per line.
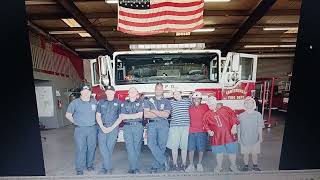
pixel 146 17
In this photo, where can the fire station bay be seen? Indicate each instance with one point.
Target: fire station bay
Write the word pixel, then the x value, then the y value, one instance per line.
pixel 123 89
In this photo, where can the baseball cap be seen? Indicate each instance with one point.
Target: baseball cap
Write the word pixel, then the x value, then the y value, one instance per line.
pixel 109 88
pixel 196 95
pixel 87 87
pixel 211 100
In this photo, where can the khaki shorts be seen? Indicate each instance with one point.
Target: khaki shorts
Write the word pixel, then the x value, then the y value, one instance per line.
pixel 248 149
pixel 178 137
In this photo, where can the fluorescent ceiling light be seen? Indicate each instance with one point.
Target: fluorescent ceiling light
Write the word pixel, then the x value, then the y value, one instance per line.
pixel 84 34
pixel 89 49
pixel 183 33
pixel 280 28
pixel 294 31
pixel 166 46
pixel 71 22
pixel 39 2
pixel 270 46
pixel 260 46
pixel 116 1
pixel 112 1
pixel 204 30
pixel 288 46
pixel 66 32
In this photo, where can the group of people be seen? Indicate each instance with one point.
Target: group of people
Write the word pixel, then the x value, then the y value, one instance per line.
pixel 181 123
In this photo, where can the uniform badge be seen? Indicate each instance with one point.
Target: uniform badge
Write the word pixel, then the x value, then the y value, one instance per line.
pixel 115 104
pixel 122 105
pixel 162 106
pixel 137 104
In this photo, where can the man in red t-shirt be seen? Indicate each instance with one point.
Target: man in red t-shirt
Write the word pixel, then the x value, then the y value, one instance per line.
pixel 221 125
pixel 197 140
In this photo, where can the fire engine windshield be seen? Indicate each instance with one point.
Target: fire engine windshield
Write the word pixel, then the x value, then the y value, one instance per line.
pixel 167 68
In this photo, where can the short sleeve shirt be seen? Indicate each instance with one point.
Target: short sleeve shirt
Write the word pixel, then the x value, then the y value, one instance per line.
pixel 196 118
pixel 83 112
pixel 109 111
pixel 180 112
pixel 220 122
pixel 128 107
pixel 159 105
pixel 250 124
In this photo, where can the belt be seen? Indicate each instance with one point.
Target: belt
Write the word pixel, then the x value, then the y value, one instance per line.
pixel 132 123
pixel 154 120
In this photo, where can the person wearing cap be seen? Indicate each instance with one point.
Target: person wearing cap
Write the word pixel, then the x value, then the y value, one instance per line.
pixel 108 111
pixel 250 133
pixel 157 110
pixel 82 113
pixel 179 129
pixel 221 125
pixel 197 140
pixel 131 113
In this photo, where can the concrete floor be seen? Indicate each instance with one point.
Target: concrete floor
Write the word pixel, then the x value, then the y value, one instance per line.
pixel 58 150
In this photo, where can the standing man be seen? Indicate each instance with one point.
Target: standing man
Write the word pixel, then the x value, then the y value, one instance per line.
pixel 198 137
pixel 221 125
pixel 157 109
pixel 131 112
pixel 82 113
pixel 250 133
pixel 179 130
pixel 108 111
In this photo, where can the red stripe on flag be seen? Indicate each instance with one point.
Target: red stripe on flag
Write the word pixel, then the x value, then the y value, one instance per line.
pixel 156 23
pixel 188 4
pixel 160 30
pixel 162 13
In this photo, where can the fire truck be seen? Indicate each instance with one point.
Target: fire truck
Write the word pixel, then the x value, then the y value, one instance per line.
pixel 187 67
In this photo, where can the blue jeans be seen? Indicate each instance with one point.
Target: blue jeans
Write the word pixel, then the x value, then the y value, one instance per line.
pixel 85 142
pixel 157 134
pixel 133 139
pixel 106 145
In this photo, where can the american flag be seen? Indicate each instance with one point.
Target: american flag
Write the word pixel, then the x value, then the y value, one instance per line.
pixel 146 17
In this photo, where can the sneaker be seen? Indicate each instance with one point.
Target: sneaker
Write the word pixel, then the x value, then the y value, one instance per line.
pixel 90 168
pixel 183 168
pixel 137 171
pixel 174 167
pixel 234 168
pixel 200 168
pixel 217 169
pixel 256 168
pixel 103 171
pixel 245 168
pixel 79 172
pixel 109 171
pixel 153 170
pixel 131 171
pixel 190 168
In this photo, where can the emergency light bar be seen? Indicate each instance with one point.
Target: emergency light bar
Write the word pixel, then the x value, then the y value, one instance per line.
pixel 135 47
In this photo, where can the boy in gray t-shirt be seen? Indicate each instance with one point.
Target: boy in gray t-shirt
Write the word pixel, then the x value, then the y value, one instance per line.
pixel 250 133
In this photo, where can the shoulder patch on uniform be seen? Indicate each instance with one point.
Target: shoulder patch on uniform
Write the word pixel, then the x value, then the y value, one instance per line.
pixel 115 104
pixel 122 105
